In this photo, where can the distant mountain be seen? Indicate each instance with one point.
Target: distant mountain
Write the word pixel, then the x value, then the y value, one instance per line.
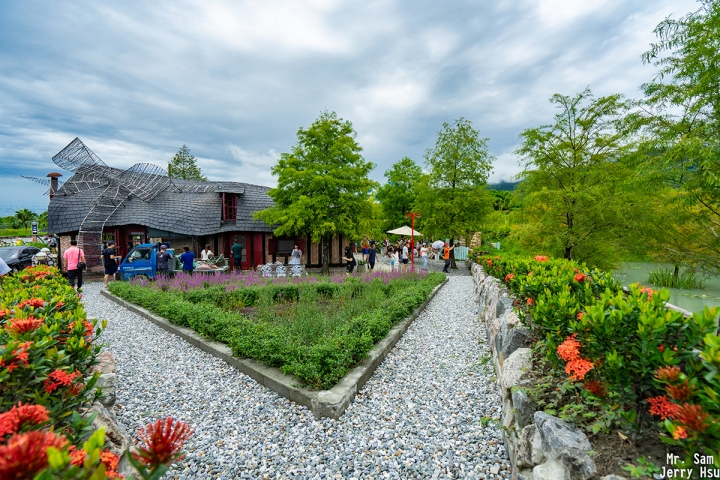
pixel 508 186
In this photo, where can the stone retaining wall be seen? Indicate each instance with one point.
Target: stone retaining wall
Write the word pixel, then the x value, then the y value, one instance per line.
pixel 540 446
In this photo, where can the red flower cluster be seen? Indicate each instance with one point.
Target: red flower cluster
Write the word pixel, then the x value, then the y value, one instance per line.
pixel 580 277
pixel 692 417
pixel 530 301
pixel 59 378
pixel 18 326
pixel 667 374
pixel 23 456
pixel 576 366
pixel 4 313
pixel 679 433
pixel 679 392
pixel 489 263
pixel 33 302
pixel 663 407
pixel 88 328
pixel 649 292
pixel 19 356
pixel 580 315
pixel 14 419
pixel 107 458
pixel 540 258
pixel 163 441
pixel 595 387
pixel 509 277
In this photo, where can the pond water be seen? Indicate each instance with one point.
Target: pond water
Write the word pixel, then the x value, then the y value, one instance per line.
pixel 693 300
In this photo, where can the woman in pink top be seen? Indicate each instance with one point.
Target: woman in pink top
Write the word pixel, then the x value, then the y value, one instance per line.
pixel 73 256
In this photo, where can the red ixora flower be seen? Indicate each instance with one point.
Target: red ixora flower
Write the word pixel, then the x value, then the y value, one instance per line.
pixel 595 387
pixel 33 302
pixel 580 315
pixel 59 378
pixel 570 349
pixel 19 356
pixel 667 374
pixel 162 441
pixel 679 433
pixel 540 258
pixel 679 392
pixel 649 292
pixel 110 460
pixel 509 277
pixel 530 301
pixel 661 348
pixel 577 369
pixel 692 417
pixel 580 277
pixel 4 313
pixel 663 407
pixel 489 263
pixel 18 326
pixel 23 456
pixel 14 419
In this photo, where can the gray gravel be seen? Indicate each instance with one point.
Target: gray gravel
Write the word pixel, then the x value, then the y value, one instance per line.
pixel 431 410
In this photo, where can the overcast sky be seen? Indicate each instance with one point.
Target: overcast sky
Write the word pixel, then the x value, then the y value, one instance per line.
pixel 235 80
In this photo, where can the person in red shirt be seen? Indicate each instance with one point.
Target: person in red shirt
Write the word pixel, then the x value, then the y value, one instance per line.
pixel 446 256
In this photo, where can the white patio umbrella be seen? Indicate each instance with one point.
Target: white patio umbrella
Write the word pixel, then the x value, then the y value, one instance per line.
pixel 404 231
pixel 438 244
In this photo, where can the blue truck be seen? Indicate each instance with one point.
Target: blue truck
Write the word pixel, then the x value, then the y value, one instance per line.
pixel 142 260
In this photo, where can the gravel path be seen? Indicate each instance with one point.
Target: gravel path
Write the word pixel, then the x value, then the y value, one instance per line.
pixel 430 410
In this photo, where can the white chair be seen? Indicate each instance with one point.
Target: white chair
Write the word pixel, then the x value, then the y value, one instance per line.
pixel 281 270
pixel 296 271
pixel 266 271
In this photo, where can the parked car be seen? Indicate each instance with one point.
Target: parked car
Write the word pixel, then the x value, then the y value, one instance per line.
pixel 18 258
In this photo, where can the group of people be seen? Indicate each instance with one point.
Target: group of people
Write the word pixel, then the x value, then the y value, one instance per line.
pixel 399 254
pixel 369 255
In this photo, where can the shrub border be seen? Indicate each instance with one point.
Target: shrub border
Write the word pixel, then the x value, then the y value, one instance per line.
pixel 324 403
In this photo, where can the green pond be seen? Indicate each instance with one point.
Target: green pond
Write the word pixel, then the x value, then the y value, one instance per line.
pixel 693 300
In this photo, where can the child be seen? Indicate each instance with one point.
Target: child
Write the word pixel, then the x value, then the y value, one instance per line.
pixel 395 260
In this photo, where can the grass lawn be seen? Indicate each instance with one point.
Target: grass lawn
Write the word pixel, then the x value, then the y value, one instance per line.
pixel 316 328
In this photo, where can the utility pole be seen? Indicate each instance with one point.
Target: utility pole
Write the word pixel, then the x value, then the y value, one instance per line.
pixel 412 216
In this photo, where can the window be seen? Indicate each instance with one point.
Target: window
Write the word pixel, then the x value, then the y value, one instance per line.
pixel 139 254
pixel 285 245
pixel 229 206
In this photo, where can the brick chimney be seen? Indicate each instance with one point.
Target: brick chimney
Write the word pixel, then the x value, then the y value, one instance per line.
pixel 53 183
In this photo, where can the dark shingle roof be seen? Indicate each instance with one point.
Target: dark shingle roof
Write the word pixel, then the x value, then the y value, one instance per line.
pixel 194 208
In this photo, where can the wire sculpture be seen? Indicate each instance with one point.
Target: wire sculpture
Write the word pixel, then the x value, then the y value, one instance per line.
pixel 76 154
pixel 42 181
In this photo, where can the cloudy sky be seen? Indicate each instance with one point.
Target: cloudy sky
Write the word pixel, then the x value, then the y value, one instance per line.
pixel 235 80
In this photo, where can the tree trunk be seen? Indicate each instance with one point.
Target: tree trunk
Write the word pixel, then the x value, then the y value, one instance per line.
pixel 452 255
pixel 325 246
pixel 676 274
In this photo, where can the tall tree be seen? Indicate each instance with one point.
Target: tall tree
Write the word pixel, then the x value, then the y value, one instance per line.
pixel 323 185
pixel 453 197
pixel 25 217
pixel 575 195
pixel 682 107
pixel 398 195
pixel 184 165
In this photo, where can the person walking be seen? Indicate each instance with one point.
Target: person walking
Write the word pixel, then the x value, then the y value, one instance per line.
pixel 163 259
pixel 206 253
pixel 365 248
pixel 73 257
pixel 405 257
pixel 424 255
pixel 372 253
pixel 350 259
pixel 446 257
pixel 237 251
pixel 295 256
pixel 109 258
pixel 187 258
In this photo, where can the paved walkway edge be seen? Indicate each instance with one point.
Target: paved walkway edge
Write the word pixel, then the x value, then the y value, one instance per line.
pixel 324 403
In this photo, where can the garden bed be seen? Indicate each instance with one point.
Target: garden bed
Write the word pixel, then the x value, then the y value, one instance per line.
pixel 311 328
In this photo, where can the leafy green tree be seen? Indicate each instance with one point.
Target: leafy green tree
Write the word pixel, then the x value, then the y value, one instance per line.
pixel 399 194
pixel 25 217
pixel 43 219
pixel 323 185
pixel 577 199
pixel 184 165
pixel 682 114
pixel 453 197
